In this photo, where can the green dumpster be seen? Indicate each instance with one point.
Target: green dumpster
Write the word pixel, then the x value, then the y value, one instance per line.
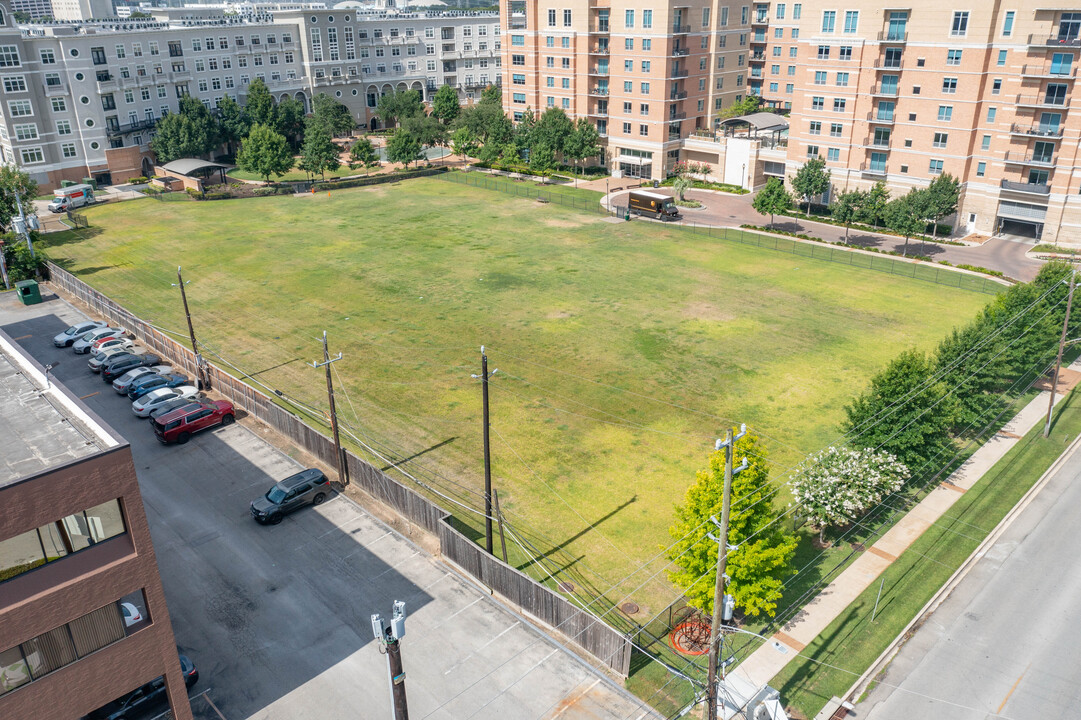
pixel 28 291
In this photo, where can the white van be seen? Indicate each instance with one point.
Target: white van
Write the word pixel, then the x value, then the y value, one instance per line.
pixel 71 197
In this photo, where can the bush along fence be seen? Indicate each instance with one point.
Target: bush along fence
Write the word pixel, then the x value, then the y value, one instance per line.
pixel 606 644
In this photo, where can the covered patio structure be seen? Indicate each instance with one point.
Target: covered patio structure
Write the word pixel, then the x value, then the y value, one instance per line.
pixel 764 126
pixel 194 167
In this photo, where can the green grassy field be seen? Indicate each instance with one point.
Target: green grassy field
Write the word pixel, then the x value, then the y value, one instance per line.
pixel 623 349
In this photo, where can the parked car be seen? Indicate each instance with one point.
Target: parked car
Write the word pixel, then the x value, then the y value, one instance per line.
pixel 152 399
pixel 107 355
pixel 123 383
pixel 121 364
pixel 146 700
pixel 73 333
pixel 119 341
pixel 178 402
pixel 83 344
pixel 154 381
pixel 292 493
pixel 131 614
pixel 179 425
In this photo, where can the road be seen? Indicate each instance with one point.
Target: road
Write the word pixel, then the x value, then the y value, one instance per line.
pixel 278 618
pixel 1005 643
pixel 722 209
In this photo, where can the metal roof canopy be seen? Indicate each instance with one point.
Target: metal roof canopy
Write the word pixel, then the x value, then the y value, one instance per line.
pixel 760 121
pixel 191 166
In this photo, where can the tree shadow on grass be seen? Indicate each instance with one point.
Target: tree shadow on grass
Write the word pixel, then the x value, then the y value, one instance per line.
pixel 69 237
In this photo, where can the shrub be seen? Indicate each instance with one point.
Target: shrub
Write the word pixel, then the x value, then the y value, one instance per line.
pixel 192 192
pixel 136 180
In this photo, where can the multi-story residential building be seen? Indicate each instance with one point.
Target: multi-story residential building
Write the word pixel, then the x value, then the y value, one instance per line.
pixel 33 8
pixel 647 75
pixel 83 618
pixel 81 100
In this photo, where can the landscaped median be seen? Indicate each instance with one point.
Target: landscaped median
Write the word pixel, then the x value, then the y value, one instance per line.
pixel 850 644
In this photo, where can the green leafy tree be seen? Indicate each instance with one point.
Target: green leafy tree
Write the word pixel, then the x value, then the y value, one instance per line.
pixel 233 123
pixel 746 106
pixel 427 130
pixel 772 199
pixel 681 186
pixel 848 207
pixel 362 154
pixel 874 208
pixel 764 555
pixel 553 129
pixel 265 152
pixel 905 412
pixel 15 183
pixel 445 104
pixel 332 114
pixel 289 118
pixel 488 124
pixel 582 143
pixel 492 95
pixel 403 148
pixel 523 129
pixel 942 196
pixel 541 158
pixel 398 106
pixel 260 105
pixel 20 264
pixel 464 143
pixel 319 153
pixel 811 180
pixel 192 132
pixel 510 154
pixel 907 215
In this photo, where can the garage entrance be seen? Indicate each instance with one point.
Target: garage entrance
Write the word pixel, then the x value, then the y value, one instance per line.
pixel 1019 219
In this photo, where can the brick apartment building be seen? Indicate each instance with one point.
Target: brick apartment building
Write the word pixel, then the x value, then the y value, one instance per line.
pixel 900 94
pixel 74 545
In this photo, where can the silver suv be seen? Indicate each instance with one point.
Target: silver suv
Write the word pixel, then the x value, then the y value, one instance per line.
pixel 295 491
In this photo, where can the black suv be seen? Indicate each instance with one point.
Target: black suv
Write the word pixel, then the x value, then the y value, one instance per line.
pixel 146 700
pixel 307 486
pixel 115 367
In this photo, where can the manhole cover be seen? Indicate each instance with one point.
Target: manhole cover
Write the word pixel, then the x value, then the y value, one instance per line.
pixel 629 608
pixel 565 586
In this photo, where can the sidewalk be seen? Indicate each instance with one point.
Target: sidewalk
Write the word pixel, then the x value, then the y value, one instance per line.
pixel 769 659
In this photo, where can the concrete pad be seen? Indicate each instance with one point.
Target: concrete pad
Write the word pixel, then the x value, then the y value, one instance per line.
pixel 835 597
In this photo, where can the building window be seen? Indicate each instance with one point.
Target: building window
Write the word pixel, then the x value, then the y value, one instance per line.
pixel 996 86
pixel 939 140
pixel 852 21
pixel 1007 24
pixel 567 18
pixel 20 108
pixel 991 113
pixel 823 52
pixel 48 57
pixel 816 128
pixel 842 79
pixel 953 57
pixel 519 98
pixel 551 17
pixel 812 151
pixel 797 11
pixel 945 113
pixel 628 19
pixel 9 56
pixel 643 130
pixel 836 129
pixel 960 24
pixel 818 103
pixel 839 104
pixel 626 128
pixel 519 79
pixel 647 19
pixel 985 142
pixel 68 150
pixel 517 40
pixel 935 167
pixel 844 52
pixel 820 77
pixel 833 154
pixel 981 169
pixel 1001 58
pixel 949 86
pixel 829 21
pixel 15 83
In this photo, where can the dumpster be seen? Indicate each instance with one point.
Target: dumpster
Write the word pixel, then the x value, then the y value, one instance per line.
pixel 28 292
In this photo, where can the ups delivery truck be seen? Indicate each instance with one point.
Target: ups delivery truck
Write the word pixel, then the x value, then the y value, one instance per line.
pixel 653 205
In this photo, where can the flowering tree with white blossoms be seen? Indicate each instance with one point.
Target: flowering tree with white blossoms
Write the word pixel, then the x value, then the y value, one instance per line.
pixel 836 485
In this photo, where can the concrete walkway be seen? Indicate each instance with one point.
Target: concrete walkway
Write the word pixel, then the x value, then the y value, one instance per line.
pixel 769 659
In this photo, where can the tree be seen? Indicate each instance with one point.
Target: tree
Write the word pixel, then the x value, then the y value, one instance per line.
pixel 553 129
pixel 260 104
pixel 403 148
pixel 488 124
pixel 772 199
pixel 523 129
pixel 362 154
pixel 289 118
pixel 905 412
pixel 906 215
pixel 848 207
pixel 15 182
pixel 492 95
pixel 681 186
pixel 20 264
pixel 265 152
pixel 233 122
pixel 400 105
pixel 837 485
pixel 427 130
pixel 541 158
pixel 445 104
pixel 332 114
pixel 942 196
pixel 811 180
pixel 192 132
pixel 874 209
pixel 582 143
pixel 319 153
pixel 464 143
pixel 746 106
pixel 764 553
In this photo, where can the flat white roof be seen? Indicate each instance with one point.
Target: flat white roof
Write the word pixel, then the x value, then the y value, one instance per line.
pixel 655 196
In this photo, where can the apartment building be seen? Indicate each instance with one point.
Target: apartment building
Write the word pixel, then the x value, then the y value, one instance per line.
pixel 33 8
pixel 81 99
pixel 648 75
pixel 83 618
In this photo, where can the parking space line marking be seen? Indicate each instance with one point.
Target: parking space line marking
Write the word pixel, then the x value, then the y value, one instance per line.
pixel 580 695
pixel 462 610
pixel 22 337
pixel 84 397
pixel 462 661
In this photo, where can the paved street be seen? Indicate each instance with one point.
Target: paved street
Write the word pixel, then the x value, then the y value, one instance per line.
pixel 277 618
pixel 1004 644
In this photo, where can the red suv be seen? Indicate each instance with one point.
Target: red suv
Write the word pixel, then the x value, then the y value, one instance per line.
pixel 179 425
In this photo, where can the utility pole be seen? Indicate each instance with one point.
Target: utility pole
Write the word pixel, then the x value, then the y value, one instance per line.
pixel 720 606
pixel 389 637
pixel 23 226
pixel 4 267
pixel 1058 360
pixel 484 375
pixel 203 376
pixel 343 475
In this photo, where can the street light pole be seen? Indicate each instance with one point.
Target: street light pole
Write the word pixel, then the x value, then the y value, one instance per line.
pixel 1058 360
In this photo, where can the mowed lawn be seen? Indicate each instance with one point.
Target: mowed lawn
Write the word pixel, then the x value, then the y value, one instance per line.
pixel 623 349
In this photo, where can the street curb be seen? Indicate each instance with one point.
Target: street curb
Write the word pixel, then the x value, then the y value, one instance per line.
pixel 939 597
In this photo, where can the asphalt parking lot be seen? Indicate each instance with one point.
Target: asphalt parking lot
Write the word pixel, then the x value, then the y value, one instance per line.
pixel 277 619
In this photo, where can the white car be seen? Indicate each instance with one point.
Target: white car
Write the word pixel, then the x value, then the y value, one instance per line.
pixel 123 383
pixel 131 614
pixel 86 342
pixel 99 359
pixel 75 332
pixel 146 404
pixel 119 341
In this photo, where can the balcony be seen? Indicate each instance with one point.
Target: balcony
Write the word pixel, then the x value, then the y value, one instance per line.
pixel 1025 187
pixel 1036 40
pixel 516 21
pixel 681 29
pixel 1042 70
pixel 759 38
pixel 884 90
pixel 678 73
pixel 113 131
pixel 599 91
pixel 56 90
pixel 600 50
pixel 673 117
pixel 762 19
pixel 677 95
pixel 884 64
pixel 1042 101
pixel 756 73
pixel 599 70
pixel 873 169
pixel 879 143
pixel 880 118
pixel 1043 131
pixel 893 36
pixel 601 28
pixel 757 57
pixel 680 52
pixel 1020 158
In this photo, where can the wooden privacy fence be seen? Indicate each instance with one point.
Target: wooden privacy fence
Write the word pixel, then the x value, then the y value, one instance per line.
pixel 597 638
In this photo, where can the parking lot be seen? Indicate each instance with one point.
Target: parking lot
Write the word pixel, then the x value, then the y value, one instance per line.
pixel 277 619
